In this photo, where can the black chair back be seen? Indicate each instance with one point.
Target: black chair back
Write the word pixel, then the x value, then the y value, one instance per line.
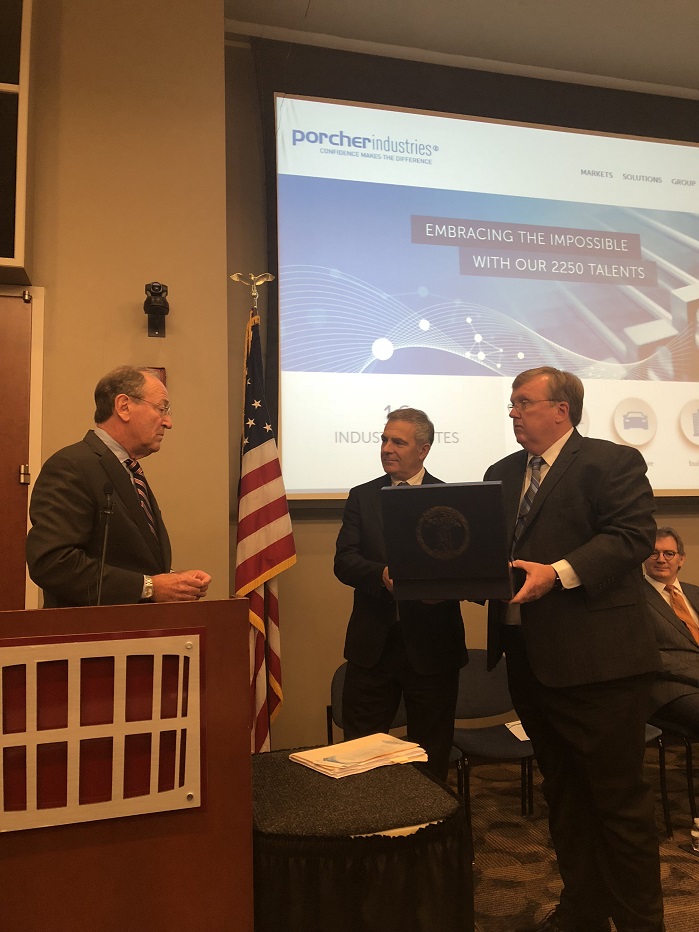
pixel 334 710
pixel 482 694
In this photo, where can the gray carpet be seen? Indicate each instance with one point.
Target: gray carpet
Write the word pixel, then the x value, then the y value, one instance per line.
pixel 515 875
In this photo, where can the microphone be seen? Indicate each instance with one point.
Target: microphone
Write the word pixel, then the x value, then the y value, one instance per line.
pixel 107 512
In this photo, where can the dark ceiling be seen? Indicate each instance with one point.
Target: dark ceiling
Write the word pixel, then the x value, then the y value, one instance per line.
pixel 609 42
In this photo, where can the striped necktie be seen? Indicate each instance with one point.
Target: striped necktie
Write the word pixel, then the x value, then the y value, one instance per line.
pixel 680 609
pixel 142 492
pixel 535 463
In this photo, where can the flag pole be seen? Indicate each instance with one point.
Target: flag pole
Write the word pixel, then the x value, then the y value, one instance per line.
pixel 253 280
pixel 265 543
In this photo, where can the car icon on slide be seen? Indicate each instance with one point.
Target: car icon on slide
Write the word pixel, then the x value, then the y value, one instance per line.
pixel 635 419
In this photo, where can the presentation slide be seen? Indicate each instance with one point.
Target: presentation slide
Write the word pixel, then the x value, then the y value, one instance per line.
pixel 426 259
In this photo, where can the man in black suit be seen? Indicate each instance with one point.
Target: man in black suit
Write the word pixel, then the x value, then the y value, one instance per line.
pixel 580 650
pixel 393 649
pixel 80 483
pixel 675 615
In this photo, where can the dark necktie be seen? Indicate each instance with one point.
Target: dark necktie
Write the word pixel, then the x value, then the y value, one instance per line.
pixel 536 462
pixel 680 609
pixel 142 492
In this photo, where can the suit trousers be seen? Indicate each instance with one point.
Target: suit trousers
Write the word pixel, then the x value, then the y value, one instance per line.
pixel 371 698
pixel 589 742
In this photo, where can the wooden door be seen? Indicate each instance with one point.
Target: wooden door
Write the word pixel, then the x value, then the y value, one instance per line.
pixel 15 358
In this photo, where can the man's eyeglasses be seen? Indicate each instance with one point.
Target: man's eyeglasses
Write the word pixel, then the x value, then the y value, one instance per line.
pixel 526 403
pixel 163 410
pixel 668 554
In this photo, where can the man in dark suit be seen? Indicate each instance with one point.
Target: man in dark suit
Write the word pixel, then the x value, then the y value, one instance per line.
pixel 675 616
pixel 580 650
pixel 79 484
pixel 393 649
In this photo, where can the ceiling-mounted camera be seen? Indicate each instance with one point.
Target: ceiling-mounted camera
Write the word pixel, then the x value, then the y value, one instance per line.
pixel 156 307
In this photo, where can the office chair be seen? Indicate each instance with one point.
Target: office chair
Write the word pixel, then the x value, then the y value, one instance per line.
pixel 333 715
pixel 654 736
pixel 483 695
pixel 333 712
pixel 672 732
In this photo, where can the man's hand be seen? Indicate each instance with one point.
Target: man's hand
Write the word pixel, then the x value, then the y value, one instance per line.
pixel 539 581
pixel 386 579
pixel 187 586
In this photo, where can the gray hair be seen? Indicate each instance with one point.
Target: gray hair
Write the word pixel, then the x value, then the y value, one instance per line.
pixel 124 380
pixel 424 428
pixel 671 532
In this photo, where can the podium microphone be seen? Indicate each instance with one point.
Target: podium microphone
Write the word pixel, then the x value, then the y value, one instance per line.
pixel 107 512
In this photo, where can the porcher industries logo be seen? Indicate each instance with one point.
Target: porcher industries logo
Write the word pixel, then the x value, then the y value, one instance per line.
pixel 339 142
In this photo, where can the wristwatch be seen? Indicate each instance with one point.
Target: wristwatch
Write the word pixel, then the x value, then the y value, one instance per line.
pixel 557 584
pixel 147 593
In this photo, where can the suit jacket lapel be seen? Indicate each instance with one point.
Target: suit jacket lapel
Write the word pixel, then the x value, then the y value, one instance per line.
pixel 691 594
pixel 659 603
pixel 376 500
pixel 116 474
pixel 142 521
pixel 554 475
pixel 123 486
pixel 512 491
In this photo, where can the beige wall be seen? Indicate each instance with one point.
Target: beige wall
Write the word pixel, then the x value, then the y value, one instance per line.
pixel 129 187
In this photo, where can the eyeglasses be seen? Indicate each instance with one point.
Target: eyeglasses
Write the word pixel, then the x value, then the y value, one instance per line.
pixel 525 403
pixel 668 554
pixel 163 410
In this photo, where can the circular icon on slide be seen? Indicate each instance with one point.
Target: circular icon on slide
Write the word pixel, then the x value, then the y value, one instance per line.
pixel 635 421
pixel 689 421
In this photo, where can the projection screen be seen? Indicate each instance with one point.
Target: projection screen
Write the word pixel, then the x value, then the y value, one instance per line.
pixel 425 259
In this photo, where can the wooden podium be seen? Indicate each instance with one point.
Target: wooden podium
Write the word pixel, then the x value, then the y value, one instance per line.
pixel 125 737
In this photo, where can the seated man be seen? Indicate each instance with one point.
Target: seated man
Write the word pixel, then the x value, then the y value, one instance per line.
pixel 674 610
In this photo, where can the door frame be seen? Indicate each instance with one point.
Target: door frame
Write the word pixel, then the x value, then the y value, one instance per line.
pixel 36 393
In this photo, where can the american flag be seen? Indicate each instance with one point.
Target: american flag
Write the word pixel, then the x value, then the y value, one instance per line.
pixel 265 545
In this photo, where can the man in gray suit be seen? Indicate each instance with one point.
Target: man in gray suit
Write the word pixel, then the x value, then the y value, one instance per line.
pixel 99 479
pixel 581 655
pixel 675 616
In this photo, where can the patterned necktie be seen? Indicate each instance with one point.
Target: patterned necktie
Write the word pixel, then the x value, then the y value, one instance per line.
pixel 142 492
pixel 536 462
pixel 679 607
